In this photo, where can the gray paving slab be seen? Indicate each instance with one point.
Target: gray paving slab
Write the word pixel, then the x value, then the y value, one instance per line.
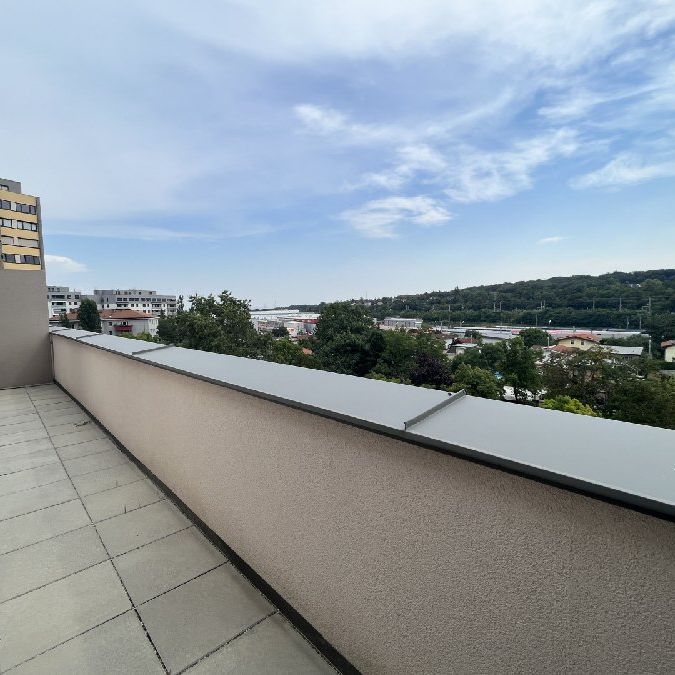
pixel 126 532
pixel 39 525
pixel 106 479
pixel 25 448
pixel 20 503
pixel 18 436
pixel 48 394
pixel 167 563
pixel 194 619
pixel 31 478
pixel 30 425
pixel 88 434
pixel 47 561
pixel 16 407
pixel 70 427
pixel 53 412
pixel 11 420
pixel 48 616
pixel 117 646
pixel 86 448
pixel 273 646
pixel 28 461
pixel 121 500
pixel 94 462
pixel 70 418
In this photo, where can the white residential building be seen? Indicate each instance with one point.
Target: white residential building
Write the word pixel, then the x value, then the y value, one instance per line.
pixel 63 299
pixel 118 322
pixel 399 322
pixel 140 300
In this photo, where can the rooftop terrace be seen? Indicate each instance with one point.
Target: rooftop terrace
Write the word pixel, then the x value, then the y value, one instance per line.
pixel 177 509
pixel 101 572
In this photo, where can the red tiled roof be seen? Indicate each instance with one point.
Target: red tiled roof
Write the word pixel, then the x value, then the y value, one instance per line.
pixel 668 343
pixel 591 337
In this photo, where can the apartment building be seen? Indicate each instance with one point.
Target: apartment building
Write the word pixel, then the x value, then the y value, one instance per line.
pixel 140 300
pixel 63 299
pixel 400 323
pixel 24 344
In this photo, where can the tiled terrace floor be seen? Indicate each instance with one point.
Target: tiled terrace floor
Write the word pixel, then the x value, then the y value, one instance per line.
pixel 99 572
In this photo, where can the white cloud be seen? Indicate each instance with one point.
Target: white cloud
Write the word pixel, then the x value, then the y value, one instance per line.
pixel 379 218
pixel 62 263
pixel 560 34
pixel 327 121
pixel 413 159
pixel 479 176
pixel 624 169
pixel 550 240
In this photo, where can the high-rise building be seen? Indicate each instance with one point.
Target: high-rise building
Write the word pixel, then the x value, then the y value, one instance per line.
pixel 24 339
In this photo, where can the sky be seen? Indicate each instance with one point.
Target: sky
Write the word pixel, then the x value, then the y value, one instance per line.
pixel 314 150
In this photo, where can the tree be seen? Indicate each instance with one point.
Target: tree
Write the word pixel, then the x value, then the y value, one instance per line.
pixel 534 336
pixel 476 381
pixel 215 324
pixel 431 367
pixel 397 358
pixel 568 404
pixel 144 337
pixel 519 369
pixel 474 335
pixel 64 321
pixel 643 401
pixel 290 353
pixel 346 341
pixel 280 331
pixel 588 376
pixel 88 316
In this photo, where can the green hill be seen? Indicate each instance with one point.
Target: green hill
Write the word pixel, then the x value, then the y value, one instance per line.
pixel 617 300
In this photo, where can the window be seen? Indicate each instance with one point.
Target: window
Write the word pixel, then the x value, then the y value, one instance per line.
pixel 5 204
pixel 8 257
pixel 6 240
pixel 29 243
pixel 572 342
pixel 4 187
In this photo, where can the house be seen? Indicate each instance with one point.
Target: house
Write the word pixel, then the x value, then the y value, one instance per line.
pixel 576 341
pixel 125 321
pixel 668 350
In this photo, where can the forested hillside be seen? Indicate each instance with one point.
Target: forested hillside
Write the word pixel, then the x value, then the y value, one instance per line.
pixel 619 299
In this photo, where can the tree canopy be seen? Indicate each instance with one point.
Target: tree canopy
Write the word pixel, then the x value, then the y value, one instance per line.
pixel 88 316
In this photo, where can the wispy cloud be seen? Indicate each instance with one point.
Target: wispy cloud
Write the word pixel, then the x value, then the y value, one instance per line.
pixel 150 233
pixel 327 121
pixel 550 240
pixel 624 169
pixel 62 263
pixel 380 218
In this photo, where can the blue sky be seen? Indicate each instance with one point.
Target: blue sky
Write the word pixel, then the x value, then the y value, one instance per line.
pixel 312 150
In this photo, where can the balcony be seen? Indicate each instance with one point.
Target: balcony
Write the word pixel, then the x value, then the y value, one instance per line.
pixel 397 529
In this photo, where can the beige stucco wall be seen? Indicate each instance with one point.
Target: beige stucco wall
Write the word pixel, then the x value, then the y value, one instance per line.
pixel 24 337
pixel 407 560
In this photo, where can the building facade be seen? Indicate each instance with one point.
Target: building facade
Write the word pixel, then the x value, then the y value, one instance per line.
pixel 24 339
pixel 400 323
pixel 63 299
pixel 149 302
pixel 125 321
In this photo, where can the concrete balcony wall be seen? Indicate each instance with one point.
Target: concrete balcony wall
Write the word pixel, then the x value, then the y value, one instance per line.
pixel 407 560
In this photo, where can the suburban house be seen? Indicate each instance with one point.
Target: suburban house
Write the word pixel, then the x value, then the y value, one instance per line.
pixel 121 321
pixel 668 350
pixel 576 341
pixel 116 321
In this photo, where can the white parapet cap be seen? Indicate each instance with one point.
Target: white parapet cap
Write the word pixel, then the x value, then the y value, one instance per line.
pixel 626 463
